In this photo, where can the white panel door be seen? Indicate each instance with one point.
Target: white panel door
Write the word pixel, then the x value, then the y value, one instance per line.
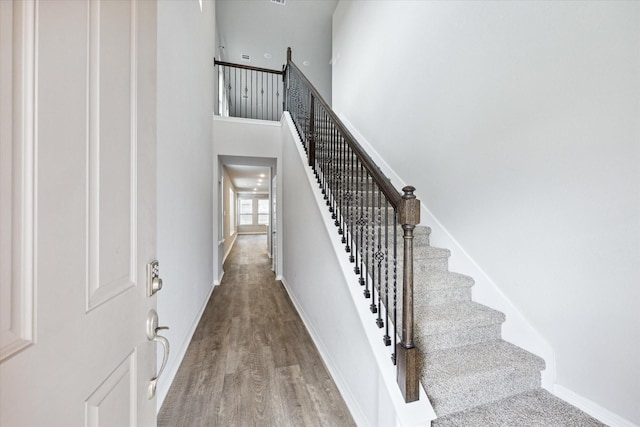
pixel 78 217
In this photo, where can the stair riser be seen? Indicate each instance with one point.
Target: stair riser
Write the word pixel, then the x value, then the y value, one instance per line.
pixel 432 297
pixel 424 266
pixel 480 390
pixel 457 338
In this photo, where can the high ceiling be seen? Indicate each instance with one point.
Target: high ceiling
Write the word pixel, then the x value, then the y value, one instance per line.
pixel 263 29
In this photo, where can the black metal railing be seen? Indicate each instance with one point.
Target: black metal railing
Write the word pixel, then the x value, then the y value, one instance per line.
pixel 370 215
pixel 250 92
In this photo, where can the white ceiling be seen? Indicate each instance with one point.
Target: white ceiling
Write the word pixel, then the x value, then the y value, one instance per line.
pixel 259 27
pixel 249 179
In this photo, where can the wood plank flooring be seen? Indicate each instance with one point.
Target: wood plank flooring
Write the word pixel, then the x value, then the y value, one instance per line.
pixel 251 361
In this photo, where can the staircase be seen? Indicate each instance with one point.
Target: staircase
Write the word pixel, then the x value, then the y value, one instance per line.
pixel 472 376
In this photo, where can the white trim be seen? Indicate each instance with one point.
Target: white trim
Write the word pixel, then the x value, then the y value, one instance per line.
pixel 217 282
pixel 169 375
pixel 20 241
pixel 249 121
pixel 591 408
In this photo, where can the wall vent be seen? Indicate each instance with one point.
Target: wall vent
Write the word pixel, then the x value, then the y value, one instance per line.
pixel 245 57
pixel 280 2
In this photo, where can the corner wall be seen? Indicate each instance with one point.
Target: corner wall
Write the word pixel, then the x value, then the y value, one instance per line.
pixel 185 180
pixel 519 124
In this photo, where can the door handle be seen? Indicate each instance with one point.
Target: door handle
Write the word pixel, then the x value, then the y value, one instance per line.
pixel 152 334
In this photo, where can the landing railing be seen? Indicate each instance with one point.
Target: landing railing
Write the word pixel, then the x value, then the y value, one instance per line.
pixel 250 92
pixel 367 210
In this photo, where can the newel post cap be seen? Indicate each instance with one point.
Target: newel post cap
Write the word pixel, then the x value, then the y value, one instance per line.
pixel 409 212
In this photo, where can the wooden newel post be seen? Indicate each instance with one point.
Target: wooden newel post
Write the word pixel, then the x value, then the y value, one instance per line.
pixel 312 135
pixel 285 82
pixel 406 353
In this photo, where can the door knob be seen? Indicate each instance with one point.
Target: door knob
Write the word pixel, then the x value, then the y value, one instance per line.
pixel 152 334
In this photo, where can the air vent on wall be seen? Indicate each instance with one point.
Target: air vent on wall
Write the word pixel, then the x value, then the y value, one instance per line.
pixel 245 57
pixel 280 2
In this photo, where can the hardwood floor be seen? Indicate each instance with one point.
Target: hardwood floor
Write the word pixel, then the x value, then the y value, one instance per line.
pixel 251 361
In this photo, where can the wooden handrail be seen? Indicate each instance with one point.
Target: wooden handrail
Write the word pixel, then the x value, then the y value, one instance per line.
pixel 383 182
pixel 247 67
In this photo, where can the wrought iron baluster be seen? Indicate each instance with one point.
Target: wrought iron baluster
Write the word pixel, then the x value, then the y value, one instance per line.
pixel 379 258
pixel 395 285
pixel 375 276
pixel 386 338
pixel 350 202
pixel 340 184
pixel 361 220
pixel 367 271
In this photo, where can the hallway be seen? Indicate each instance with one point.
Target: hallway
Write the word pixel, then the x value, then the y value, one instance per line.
pixel 251 361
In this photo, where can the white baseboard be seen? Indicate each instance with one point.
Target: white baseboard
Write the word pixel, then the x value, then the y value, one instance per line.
pixel 170 374
pixel 217 282
pixel 350 401
pixel 591 408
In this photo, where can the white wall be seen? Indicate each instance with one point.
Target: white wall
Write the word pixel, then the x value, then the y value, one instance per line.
pixel 185 106
pixel 519 124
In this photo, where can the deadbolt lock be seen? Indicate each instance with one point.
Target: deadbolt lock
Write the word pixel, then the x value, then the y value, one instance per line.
pixel 154 282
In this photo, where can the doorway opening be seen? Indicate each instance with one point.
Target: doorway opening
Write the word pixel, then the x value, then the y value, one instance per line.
pixel 247 200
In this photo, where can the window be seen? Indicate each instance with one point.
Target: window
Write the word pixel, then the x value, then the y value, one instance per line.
pixel 246 211
pixel 263 211
pixel 253 211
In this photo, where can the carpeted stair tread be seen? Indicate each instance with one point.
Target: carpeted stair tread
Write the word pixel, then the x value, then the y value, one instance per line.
pixel 449 317
pixel 444 326
pixel 421 236
pixel 460 378
pixel 536 408
pixel 484 357
pixel 425 259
